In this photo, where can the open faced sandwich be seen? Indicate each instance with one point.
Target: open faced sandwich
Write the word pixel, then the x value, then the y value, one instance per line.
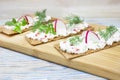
pixel 89 42
pixel 56 29
pixel 24 23
pixel 17 25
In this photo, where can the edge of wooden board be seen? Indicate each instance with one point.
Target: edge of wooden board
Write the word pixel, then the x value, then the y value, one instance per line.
pixel 56 57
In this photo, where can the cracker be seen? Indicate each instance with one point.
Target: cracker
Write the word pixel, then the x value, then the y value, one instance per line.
pixel 12 32
pixel 72 56
pixel 0 28
pixel 37 42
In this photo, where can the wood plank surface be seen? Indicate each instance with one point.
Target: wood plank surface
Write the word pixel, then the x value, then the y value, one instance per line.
pixel 105 63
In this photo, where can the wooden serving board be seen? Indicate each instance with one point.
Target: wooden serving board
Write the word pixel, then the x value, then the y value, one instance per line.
pixel 105 63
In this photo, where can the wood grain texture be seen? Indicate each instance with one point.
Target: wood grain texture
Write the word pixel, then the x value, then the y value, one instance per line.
pixel 16 66
pixel 104 63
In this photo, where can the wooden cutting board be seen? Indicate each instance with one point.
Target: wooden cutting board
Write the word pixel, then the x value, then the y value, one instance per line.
pixel 105 63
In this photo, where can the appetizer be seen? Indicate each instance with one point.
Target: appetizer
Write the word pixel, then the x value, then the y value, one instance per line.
pixel 24 23
pixel 89 42
pixel 56 29
pixel 17 25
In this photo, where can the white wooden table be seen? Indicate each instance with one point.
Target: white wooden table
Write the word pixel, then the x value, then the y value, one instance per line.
pixel 17 66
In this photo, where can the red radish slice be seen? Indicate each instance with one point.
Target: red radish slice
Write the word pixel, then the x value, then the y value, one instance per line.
pixel 59 27
pixel 90 35
pixel 23 17
pixel 29 18
pixel 26 17
pixel 55 25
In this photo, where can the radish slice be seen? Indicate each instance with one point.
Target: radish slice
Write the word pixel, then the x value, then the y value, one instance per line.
pixel 55 24
pixel 23 17
pixel 60 27
pixel 28 18
pixel 92 36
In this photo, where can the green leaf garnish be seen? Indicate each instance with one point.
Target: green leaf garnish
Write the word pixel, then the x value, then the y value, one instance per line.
pixel 46 28
pixel 11 23
pixel 36 26
pixel 73 19
pixel 41 15
pixel 17 24
pixel 24 22
pixel 75 40
pixel 109 31
pixel 18 29
pixel 14 20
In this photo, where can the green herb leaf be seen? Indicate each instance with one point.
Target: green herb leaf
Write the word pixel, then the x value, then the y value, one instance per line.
pixel 75 40
pixel 11 23
pixel 74 19
pixel 109 31
pixel 46 28
pixel 41 15
pixel 36 26
pixel 17 24
pixel 18 29
pixel 24 22
pixel 14 20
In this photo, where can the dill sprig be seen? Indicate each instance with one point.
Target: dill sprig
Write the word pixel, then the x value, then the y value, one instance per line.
pixel 74 19
pixel 75 40
pixel 109 31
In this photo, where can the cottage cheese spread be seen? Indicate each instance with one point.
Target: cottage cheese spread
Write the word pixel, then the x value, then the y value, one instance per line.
pixel 69 30
pixel 114 38
pixel 30 21
pixel 76 49
pixel 92 44
pixel 76 28
pixel 41 36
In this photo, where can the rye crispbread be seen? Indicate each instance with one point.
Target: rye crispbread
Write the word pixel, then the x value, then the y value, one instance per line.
pixel 72 55
pixel 0 28
pixel 37 42
pixel 12 32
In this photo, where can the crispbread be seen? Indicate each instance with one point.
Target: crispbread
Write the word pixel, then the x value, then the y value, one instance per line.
pixel 12 32
pixel 72 56
pixel 0 28
pixel 36 42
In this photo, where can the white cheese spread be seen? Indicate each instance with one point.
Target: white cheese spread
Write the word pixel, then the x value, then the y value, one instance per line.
pixel 92 44
pixel 30 21
pixel 75 28
pixel 40 36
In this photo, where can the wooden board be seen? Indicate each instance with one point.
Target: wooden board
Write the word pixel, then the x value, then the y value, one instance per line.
pixel 105 63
